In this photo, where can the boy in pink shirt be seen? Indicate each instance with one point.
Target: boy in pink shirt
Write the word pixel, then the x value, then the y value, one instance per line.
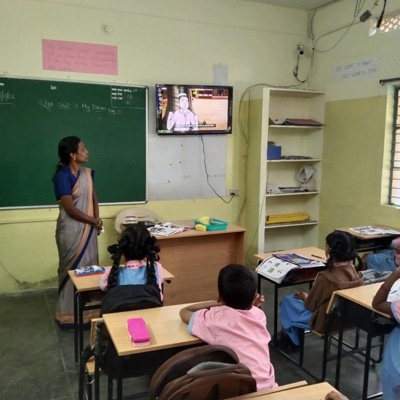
pixel 236 321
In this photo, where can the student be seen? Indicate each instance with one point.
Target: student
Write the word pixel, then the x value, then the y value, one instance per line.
pixel 390 371
pixel 385 260
pixel 141 255
pixel 235 321
pixel 78 222
pixel 308 311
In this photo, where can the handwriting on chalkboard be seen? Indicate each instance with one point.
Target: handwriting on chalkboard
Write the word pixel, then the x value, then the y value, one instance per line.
pixel 123 97
pixel 6 97
pixel 50 105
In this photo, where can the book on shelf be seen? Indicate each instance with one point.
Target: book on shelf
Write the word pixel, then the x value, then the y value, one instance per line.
pixel 278 266
pixel 138 332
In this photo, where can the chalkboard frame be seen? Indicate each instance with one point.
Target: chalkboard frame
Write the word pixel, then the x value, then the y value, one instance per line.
pixel 23 157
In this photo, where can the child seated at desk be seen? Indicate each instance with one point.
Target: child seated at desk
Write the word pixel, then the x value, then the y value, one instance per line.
pixel 308 311
pixel 391 357
pixel 385 260
pixel 141 255
pixel 235 321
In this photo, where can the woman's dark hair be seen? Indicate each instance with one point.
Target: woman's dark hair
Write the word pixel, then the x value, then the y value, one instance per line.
pixel 136 243
pixel 237 286
pixel 67 146
pixel 342 247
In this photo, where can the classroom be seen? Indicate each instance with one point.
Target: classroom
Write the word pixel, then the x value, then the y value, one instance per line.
pixel 253 46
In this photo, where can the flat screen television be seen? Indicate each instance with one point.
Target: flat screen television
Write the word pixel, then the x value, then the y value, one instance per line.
pixel 193 109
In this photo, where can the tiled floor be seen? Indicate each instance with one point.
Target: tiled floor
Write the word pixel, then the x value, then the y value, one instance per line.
pixel 37 360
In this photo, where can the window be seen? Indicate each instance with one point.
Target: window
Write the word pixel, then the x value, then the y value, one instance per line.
pixel 394 190
pixel 391 22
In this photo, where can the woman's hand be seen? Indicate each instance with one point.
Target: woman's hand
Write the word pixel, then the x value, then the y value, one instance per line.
pixel 301 295
pixel 259 300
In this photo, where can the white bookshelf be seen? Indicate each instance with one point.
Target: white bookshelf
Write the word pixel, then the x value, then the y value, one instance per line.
pixel 268 104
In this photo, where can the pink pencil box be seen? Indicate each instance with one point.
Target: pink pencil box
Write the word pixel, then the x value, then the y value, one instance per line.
pixel 138 332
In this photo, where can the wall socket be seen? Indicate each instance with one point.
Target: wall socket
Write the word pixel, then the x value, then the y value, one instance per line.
pixel 232 192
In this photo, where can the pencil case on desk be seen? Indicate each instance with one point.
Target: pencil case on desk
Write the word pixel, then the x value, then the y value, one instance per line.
pixel 138 332
pixel 89 270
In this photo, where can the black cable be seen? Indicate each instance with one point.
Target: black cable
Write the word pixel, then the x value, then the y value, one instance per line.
pixel 378 24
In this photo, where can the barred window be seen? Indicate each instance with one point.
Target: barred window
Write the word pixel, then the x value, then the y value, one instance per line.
pixel 394 189
pixel 390 22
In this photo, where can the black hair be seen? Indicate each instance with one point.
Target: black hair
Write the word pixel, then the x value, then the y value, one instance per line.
pixel 342 247
pixel 136 243
pixel 66 146
pixel 237 286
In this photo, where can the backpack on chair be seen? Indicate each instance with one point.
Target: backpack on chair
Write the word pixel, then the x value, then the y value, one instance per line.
pixel 209 372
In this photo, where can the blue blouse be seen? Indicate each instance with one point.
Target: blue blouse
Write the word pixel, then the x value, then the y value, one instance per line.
pixel 64 181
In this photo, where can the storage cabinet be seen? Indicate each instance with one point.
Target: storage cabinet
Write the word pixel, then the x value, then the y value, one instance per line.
pixel 265 106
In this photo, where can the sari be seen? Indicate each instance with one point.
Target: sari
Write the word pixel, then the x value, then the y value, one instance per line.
pixel 77 247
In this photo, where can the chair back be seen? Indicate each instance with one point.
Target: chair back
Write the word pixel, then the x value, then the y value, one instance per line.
pixel 208 372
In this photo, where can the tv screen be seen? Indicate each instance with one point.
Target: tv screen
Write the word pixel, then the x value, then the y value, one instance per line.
pixel 193 109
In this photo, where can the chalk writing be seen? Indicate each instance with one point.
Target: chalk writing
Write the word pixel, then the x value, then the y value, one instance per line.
pixel 49 106
pixel 6 97
pixel 355 70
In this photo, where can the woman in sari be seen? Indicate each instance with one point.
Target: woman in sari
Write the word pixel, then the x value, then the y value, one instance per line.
pixel 78 223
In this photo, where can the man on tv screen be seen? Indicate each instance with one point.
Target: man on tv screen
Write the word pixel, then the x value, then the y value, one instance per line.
pixel 183 119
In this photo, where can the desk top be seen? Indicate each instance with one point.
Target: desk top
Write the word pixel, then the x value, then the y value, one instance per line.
pixel 362 295
pixel 191 233
pixel 164 324
pixel 363 236
pixel 84 283
pixel 318 391
pixel 310 252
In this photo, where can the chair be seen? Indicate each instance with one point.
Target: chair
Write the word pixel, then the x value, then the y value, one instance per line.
pixel 119 298
pixel 133 215
pixel 334 322
pixel 207 372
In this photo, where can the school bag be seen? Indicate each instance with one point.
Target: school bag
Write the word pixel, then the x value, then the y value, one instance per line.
pixel 209 372
pixel 130 297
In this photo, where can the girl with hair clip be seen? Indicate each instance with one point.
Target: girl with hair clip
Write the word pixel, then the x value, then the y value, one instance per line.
pixel 141 267
pixel 308 310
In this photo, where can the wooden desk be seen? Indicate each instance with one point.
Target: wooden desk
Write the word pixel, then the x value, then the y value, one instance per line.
pixel 355 307
pixel 366 243
pixel 195 259
pixel 309 252
pixel 83 286
pixel 318 391
pixel 164 324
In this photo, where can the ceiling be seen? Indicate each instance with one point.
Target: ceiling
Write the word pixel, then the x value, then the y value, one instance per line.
pixel 299 4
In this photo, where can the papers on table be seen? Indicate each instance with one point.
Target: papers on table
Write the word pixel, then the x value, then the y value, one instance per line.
pixel 278 266
pixel 373 230
pixel 167 229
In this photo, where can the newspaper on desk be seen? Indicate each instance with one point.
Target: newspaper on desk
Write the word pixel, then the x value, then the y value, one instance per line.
pixel 167 229
pixel 276 268
pixel 373 230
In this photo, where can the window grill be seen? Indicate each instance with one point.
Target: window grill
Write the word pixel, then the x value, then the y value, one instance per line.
pixel 394 189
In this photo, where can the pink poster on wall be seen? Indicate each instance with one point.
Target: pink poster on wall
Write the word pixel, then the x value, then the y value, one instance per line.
pixel 60 55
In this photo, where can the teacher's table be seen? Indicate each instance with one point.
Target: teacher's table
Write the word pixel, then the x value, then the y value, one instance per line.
pixel 366 242
pixel 355 307
pixel 164 325
pixel 296 277
pixel 84 286
pixel 195 259
pixel 318 391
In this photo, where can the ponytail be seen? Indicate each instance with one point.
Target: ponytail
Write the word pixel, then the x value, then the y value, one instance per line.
pixel 116 254
pixel 341 247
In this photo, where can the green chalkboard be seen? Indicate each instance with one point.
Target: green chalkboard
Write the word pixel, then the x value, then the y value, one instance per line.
pixel 111 119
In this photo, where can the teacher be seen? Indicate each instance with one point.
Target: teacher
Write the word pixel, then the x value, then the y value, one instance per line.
pixel 78 223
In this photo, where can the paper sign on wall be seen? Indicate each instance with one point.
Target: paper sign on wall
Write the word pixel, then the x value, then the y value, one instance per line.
pixel 60 55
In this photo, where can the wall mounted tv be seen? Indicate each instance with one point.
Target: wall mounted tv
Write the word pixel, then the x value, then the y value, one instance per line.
pixel 193 109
